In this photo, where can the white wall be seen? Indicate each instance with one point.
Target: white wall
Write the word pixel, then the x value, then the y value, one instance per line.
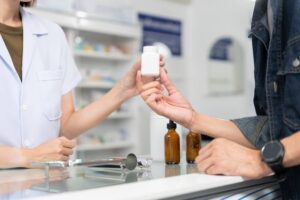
pixel 207 21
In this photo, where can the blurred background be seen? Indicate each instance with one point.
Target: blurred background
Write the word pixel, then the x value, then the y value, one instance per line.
pixel 208 57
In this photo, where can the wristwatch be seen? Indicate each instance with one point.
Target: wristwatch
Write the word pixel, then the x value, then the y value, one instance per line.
pixel 272 153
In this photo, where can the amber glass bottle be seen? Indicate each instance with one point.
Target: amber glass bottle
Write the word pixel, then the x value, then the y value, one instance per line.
pixel 172 145
pixel 192 146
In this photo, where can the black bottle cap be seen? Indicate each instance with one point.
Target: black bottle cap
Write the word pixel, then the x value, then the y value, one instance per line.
pixel 171 125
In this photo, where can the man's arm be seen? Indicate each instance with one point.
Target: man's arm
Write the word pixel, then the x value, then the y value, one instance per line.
pixel 218 128
pixel 292 150
pixel 174 106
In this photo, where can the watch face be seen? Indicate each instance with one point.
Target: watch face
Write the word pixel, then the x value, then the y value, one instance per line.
pixel 272 151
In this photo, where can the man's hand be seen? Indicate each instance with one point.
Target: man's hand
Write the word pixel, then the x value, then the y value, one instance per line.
pixel 173 106
pixel 224 157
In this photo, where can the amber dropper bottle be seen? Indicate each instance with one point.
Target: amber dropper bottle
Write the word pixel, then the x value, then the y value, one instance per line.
pixel 172 145
pixel 193 145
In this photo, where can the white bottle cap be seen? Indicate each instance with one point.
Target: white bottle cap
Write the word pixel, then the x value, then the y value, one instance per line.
pixel 150 49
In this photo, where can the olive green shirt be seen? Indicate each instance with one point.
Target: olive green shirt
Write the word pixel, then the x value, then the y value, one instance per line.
pixel 13 39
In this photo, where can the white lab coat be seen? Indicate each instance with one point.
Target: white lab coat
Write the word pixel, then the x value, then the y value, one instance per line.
pixel 30 110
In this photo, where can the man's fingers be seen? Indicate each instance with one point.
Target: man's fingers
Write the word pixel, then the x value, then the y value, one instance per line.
pixel 154 84
pixel 205 164
pixel 213 170
pixel 149 92
pixel 166 82
pixel 151 100
pixel 204 153
pixel 202 157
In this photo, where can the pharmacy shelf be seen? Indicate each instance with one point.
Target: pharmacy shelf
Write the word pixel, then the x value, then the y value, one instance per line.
pixel 82 21
pixel 94 147
pixel 102 56
pixel 95 85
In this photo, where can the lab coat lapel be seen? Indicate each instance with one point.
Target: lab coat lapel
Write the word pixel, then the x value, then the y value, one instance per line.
pixel 4 54
pixel 29 46
pixel 33 29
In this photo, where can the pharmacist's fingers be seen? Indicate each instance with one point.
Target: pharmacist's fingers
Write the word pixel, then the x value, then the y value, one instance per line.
pixel 56 156
pixel 139 82
pixel 67 143
pixel 137 65
pixel 67 151
pixel 148 79
pixel 161 61
pixel 63 158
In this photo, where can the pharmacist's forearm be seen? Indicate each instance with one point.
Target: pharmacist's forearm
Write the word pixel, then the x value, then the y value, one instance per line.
pixel 11 157
pixel 93 114
pixel 292 150
pixel 218 128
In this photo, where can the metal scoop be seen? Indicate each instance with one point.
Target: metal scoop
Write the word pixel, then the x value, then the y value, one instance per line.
pixel 130 163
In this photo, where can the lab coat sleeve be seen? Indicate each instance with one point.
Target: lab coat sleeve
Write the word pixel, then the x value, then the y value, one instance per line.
pixel 255 129
pixel 71 76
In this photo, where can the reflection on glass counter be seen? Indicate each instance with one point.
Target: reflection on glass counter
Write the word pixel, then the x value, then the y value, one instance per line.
pixel 21 183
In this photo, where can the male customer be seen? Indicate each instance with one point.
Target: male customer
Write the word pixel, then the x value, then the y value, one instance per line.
pixel 252 147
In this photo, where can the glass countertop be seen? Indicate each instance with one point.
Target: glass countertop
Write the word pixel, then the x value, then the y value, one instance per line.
pixel 24 183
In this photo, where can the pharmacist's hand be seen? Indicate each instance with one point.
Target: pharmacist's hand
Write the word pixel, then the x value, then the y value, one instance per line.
pixel 224 157
pixel 173 106
pixel 56 149
pixel 127 85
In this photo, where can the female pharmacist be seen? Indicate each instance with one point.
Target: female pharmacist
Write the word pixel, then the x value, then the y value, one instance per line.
pixel 37 76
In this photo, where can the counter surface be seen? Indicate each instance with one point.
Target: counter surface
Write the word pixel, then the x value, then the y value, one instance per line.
pixel 158 181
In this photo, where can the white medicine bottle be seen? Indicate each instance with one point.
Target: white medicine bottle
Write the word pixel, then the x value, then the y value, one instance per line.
pixel 150 61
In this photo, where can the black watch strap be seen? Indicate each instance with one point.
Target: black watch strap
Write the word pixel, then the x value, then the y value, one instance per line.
pixel 272 154
pixel 277 168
